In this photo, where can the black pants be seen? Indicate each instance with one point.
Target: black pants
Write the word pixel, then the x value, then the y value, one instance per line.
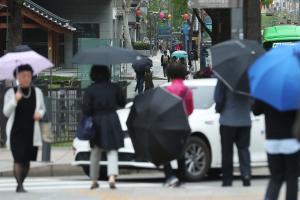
pixel 165 69
pixel 241 137
pixel 283 168
pixel 169 172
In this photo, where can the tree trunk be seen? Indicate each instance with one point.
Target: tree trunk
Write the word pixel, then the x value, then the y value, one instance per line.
pixel 191 33
pixel 252 20
pixel 126 29
pixel 15 24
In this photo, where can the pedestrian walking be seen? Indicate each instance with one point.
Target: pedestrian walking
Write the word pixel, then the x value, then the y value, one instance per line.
pixel 181 46
pixel 36 80
pixel 140 81
pixel 282 149
pixel 164 62
pixel 191 59
pixel 100 102
pixel 148 79
pixel 177 73
pixel 24 106
pixel 164 45
pixel 235 128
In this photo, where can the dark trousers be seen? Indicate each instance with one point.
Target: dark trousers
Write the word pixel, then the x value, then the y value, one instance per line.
pixel 283 167
pixel 140 84
pixel 169 172
pixel 165 69
pixel 241 137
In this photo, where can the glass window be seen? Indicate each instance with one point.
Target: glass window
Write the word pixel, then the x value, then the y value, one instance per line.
pixel 203 97
pixel 84 31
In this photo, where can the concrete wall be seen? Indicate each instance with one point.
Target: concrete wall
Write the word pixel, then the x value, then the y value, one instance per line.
pixel 82 11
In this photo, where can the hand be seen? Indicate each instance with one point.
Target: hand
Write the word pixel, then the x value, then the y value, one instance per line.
pixel 36 116
pixel 18 96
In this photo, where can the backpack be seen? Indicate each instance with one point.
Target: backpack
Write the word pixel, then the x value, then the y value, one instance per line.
pixel 165 59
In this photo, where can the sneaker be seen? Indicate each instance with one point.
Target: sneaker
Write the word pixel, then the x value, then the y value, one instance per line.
pixel 246 182
pixel 171 181
pixel 180 184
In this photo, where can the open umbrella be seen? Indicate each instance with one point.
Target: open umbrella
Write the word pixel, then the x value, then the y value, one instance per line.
pixel 10 61
pixel 21 48
pixel 176 43
pixel 275 78
pixel 182 52
pixel 232 59
pixel 179 55
pixel 106 56
pixel 142 64
pixel 158 126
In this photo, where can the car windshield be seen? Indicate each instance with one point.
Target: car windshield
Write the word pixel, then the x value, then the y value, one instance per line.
pixel 203 97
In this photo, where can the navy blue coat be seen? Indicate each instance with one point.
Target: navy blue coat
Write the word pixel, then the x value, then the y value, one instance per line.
pixel 100 101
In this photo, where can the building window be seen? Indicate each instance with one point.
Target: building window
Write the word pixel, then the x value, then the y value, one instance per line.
pixel 85 30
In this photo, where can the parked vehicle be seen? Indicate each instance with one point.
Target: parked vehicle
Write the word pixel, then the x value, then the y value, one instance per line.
pixel 203 151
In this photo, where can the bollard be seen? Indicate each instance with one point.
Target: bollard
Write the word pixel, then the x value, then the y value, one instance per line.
pixel 46 149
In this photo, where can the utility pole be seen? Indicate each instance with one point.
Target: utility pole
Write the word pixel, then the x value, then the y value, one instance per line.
pixel 150 33
pixel 155 33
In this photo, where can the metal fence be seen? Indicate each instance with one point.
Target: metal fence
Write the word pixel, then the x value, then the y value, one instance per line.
pixel 65 107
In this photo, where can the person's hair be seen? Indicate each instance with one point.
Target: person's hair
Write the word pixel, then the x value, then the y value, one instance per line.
pixel 99 73
pixel 165 51
pixel 182 59
pixel 174 58
pixel 22 68
pixel 176 71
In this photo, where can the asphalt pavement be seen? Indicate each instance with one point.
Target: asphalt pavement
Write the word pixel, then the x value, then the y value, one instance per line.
pixel 132 188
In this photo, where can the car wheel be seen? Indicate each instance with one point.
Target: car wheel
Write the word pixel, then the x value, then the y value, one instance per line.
pixel 196 160
pixel 102 172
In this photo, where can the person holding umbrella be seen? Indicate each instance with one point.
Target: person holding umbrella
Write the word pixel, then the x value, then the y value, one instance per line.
pixel 100 101
pixel 24 107
pixel 148 79
pixel 177 73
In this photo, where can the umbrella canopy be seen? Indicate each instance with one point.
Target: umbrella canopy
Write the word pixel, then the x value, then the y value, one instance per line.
pixel 275 78
pixel 21 48
pixel 10 61
pixel 142 64
pixel 182 52
pixel 232 59
pixel 176 43
pixel 158 126
pixel 106 56
pixel 179 55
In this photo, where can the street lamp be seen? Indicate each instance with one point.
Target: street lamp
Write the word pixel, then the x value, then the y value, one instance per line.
pixel 7 38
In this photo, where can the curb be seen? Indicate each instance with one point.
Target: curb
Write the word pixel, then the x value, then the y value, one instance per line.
pixel 50 171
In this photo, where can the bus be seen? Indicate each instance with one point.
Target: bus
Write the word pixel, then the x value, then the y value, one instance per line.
pixel 280 35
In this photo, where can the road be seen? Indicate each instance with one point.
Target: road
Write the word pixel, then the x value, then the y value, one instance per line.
pixel 132 188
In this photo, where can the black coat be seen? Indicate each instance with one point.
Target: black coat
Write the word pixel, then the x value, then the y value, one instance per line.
pixel 100 101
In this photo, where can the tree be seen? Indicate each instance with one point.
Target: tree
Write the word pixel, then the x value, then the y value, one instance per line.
pixel 252 20
pixel 15 25
pixel 191 24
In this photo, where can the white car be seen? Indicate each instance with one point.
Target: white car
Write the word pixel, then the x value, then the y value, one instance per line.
pixel 203 151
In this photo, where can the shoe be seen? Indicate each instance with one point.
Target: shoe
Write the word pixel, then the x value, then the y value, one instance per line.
pixel 226 184
pixel 246 182
pixel 180 184
pixel 112 185
pixel 171 181
pixel 95 185
pixel 20 189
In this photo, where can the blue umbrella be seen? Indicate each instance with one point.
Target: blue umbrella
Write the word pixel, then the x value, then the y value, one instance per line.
pixel 176 43
pixel 275 78
pixel 179 55
pixel 142 64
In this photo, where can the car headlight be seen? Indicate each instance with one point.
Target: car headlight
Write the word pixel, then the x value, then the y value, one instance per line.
pixel 126 134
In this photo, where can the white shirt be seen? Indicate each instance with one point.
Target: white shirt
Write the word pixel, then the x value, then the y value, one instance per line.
pixel 282 146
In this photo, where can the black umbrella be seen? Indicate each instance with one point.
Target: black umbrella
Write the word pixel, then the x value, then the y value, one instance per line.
pixel 106 56
pixel 231 61
pixel 158 126
pixel 21 48
pixel 142 64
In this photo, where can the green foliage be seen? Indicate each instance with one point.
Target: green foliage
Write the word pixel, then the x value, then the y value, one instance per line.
pixel 56 80
pixel 141 46
pixel 270 21
pixel 19 1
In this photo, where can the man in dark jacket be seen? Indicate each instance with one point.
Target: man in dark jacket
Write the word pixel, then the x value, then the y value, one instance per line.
pixel 140 81
pixel 164 62
pixel 195 53
pixel 172 51
pixel 235 127
pixel 148 79
pixel 36 80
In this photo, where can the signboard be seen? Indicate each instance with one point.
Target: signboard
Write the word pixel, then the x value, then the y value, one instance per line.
pixel 185 29
pixel 215 3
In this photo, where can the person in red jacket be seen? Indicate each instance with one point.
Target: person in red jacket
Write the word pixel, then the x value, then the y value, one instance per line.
pixel 181 46
pixel 177 73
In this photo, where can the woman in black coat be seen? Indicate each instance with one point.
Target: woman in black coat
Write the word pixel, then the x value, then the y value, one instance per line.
pixel 101 100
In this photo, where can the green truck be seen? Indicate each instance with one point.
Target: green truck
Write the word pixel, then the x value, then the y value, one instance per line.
pixel 280 35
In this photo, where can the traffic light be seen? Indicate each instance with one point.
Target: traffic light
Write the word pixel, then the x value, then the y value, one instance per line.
pixel 293 23
pixel 288 21
pixel 281 23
